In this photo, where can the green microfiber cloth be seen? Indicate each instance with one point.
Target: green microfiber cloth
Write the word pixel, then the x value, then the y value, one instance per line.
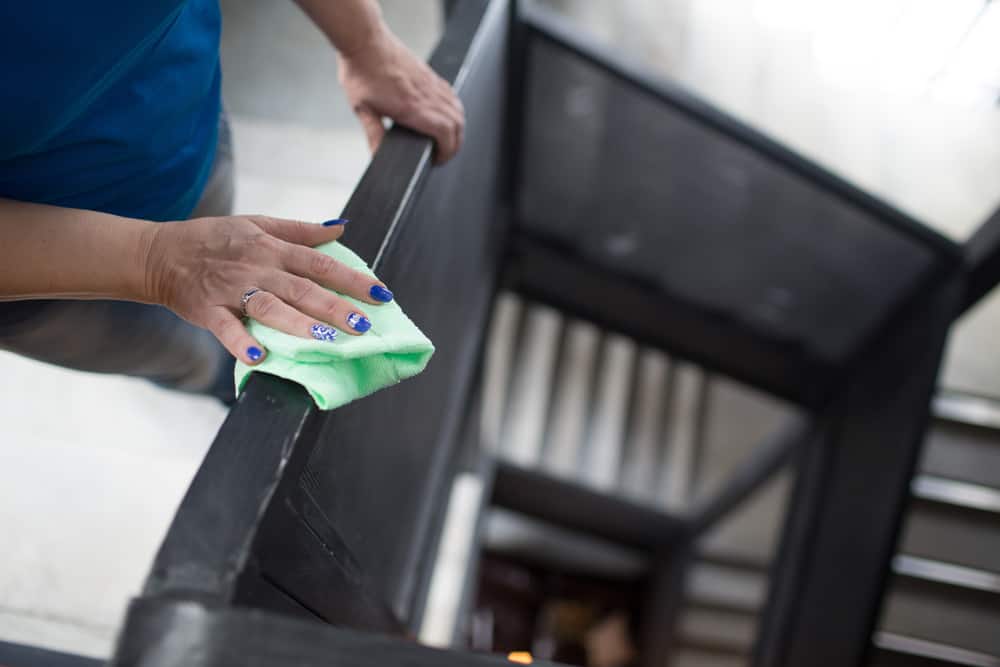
pixel 350 367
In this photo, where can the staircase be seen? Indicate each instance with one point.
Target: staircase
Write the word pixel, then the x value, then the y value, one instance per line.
pixel 600 412
pixel 943 603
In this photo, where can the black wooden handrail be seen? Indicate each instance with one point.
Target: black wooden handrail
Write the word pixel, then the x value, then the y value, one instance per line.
pixel 210 552
pixel 194 635
pixel 982 253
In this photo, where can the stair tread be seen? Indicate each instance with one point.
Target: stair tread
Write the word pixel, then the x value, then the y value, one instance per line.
pixel 938 611
pixel 955 492
pixel 946 573
pixel 921 648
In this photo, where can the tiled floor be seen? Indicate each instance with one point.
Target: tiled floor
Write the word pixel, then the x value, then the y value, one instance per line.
pixel 91 468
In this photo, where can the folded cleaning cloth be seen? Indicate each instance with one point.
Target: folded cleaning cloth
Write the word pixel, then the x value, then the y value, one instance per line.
pixel 349 367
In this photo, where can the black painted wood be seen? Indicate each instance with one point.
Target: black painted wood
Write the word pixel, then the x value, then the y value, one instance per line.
pixel 208 542
pixel 301 554
pixel 258 592
pixel 663 600
pixel 186 634
pixel 301 511
pixel 555 276
pixel 588 511
pixel 845 512
pixel 982 253
pixel 386 462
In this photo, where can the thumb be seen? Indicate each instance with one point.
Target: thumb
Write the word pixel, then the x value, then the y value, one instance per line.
pixel 372 124
pixel 301 233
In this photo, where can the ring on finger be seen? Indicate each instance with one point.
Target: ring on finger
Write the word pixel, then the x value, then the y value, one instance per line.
pixel 245 300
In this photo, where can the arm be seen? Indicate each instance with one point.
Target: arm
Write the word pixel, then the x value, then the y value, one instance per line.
pixel 382 78
pixel 199 269
pixel 53 252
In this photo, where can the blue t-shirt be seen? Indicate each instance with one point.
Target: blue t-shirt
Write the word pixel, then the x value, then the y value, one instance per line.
pixel 109 105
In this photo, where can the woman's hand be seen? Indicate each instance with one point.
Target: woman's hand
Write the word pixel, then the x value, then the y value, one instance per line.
pixel 202 268
pixel 385 79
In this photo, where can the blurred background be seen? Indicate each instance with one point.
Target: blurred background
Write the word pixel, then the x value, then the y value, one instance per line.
pixel 901 97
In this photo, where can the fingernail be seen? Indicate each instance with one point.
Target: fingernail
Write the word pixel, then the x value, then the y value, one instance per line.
pixel 323 332
pixel 359 322
pixel 336 221
pixel 380 293
pixel 254 353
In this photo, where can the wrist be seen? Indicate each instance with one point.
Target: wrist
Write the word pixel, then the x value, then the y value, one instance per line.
pixel 141 278
pixel 364 49
pixel 352 26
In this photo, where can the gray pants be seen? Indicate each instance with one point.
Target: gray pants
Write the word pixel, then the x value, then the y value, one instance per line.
pixel 131 338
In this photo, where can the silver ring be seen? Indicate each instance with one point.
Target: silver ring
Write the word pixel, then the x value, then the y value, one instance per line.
pixel 246 299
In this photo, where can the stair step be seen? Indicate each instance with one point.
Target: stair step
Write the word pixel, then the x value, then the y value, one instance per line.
pixel 954 522
pixel 726 631
pixel 714 585
pixel 964 452
pixel 693 657
pixel 958 576
pixel 964 408
pixel 944 603
pixel 895 650
pixel 959 494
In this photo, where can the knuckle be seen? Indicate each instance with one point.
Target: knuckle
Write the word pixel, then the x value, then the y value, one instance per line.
pixel 265 222
pixel 360 282
pixel 333 309
pixel 225 328
pixel 321 265
pixel 412 97
pixel 260 245
pixel 265 305
pixel 300 289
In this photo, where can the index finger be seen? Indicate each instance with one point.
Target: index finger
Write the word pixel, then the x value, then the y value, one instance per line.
pixel 327 271
pixel 299 232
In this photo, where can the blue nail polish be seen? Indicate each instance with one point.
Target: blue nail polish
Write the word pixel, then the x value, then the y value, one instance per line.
pixel 336 221
pixel 359 322
pixel 254 353
pixel 323 332
pixel 380 293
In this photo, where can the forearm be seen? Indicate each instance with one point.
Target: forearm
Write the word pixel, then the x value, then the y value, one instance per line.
pixel 54 252
pixel 351 25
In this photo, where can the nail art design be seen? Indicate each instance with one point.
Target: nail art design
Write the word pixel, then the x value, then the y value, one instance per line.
pixel 359 322
pixel 323 332
pixel 336 221
pixel 380 293
pixel 254 353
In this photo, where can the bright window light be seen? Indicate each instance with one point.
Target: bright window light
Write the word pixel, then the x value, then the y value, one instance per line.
pixel 978 59
pixel 927 35
pixel 791 15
